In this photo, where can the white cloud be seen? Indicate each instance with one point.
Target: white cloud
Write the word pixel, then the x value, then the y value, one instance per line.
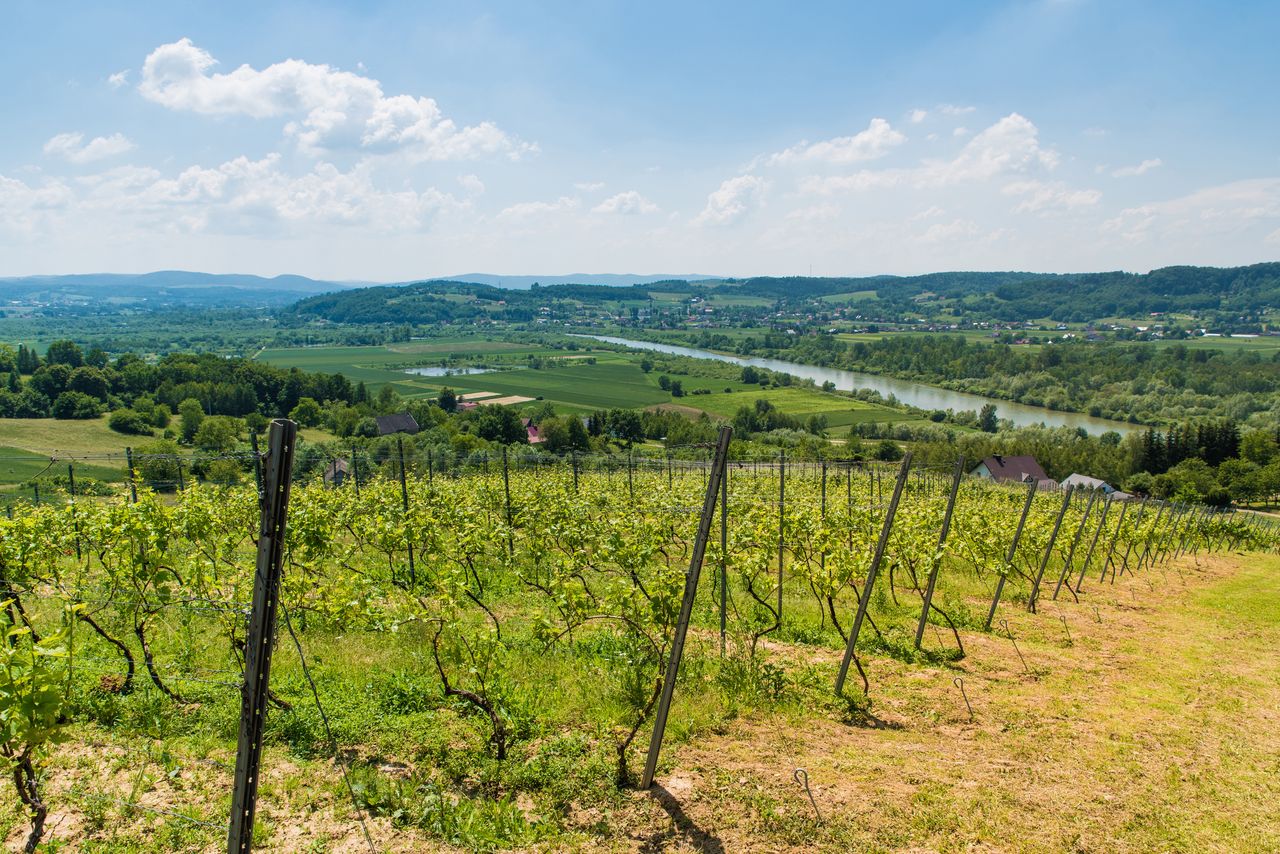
pixel 734 199
pixel 1141 169
pixel 1011 145
pixel 1273 238
pixel 26 210
pixel 115 81
pixel 815 213
pixel 71 146
pixel 960 131
pixel 876 141
pixel 1044 197
pixel 1229 208
pixel 629 202
pixel 471 183
pixel 958 229
pixel 953 110
pixel 330 110
pixel 928 213
pixel 525 210
pixel 917 116
pixel 589 186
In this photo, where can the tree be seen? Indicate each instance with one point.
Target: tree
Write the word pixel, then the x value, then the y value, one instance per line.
pixel 74 404
pixel 192 415
pixel 987 420
pixel 750 376
pixel 448 399
pixel 308 412
pixel 646 364
pixel 51 380
pixel 128 422
pixel 888 451
pixel 625 425
pixel 64 353
pixel 578 438
pixel 677 388
pixel 28 361
pixel 1258 447
pixel 217 433
pixel 664 382
pixel 90 381
pixel 157 464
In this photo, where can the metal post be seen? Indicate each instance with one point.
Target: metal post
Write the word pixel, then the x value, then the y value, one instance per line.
pixel 355 468
pixel 724 557
pixel 261 635
pixel 1088 558
pixel 182 484
pixel 404 501
pixel 1137 529
pixel 1013 551
pixel 133 486
pixel 257 463
pixel 942 541
pixel 36 487
pixel 574 457
pixel 71 494
pixel 1075 542
pixel 714 479
pixel 1155 529
pixel 506 488
pixel 865 599
pixel 1048 550
pixel 1111 548
pixel 782 510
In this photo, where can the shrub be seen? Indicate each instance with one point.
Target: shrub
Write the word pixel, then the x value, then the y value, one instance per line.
pixel 75 405
pixel 128 422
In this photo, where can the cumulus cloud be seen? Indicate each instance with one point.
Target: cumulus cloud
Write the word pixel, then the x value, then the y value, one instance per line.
pixel 328 109
pixel 959 229
pixel 954 110
pixel 471 183
pixel 1011 145
pixel 526 210
pixel 589 186
pixel 72 147
pixel 115 81
pixel 1042 197
pixel 26 209
pixel 1241 206
pixel 629 202
pixel 917 116
pixel 1141 169
pixel 733 200
pixel 876 141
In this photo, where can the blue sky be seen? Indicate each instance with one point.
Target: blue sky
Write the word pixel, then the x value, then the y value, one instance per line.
pixel 387 141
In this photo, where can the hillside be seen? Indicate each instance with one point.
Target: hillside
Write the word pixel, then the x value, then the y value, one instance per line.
pixel 1002 296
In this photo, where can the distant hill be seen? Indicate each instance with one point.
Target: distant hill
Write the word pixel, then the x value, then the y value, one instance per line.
pixel 1002 296
pixel 608 279
pixel 162 289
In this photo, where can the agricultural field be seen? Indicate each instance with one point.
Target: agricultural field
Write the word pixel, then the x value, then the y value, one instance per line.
pixel 580 381
pixel 471 661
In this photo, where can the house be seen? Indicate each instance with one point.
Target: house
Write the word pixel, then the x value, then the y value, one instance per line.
pixel 337 472
pixel 1083 481
pixel 400 423
pixel 1021 469
pixel 531 431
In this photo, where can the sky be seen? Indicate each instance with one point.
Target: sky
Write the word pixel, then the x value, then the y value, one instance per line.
pixel 387 141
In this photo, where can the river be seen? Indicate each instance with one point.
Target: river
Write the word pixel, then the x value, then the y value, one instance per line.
pixel 911 393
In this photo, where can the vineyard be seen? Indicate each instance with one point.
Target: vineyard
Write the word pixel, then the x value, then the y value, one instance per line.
pixel 482 649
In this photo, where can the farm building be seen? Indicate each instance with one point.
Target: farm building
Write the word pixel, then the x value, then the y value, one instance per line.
pixel 1083 481
pixel 1019 469
pixel 400 423
pixel 337 472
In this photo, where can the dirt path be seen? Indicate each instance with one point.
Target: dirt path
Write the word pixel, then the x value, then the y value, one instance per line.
pixel 1154 729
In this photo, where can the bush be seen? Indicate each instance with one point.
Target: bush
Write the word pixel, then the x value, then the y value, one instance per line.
pixel 128 422
pixel 75 405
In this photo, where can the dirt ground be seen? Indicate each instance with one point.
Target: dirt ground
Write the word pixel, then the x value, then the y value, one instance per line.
pixel 1154 728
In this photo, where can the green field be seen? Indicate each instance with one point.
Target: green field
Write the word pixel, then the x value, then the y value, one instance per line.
pixel 583 381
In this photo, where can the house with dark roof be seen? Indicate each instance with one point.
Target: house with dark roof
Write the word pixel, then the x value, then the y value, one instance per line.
pixel 1018 469
pixel 399 423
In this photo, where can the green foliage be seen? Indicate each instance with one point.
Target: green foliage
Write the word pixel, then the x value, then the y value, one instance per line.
pixel 128 422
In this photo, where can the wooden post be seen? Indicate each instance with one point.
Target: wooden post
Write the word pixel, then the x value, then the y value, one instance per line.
pixel 714 479
pixel 1075 542
pixel 133 485
pixel 261 634
pixel 404 501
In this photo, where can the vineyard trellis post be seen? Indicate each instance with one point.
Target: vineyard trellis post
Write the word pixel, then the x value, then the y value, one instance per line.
pixel 182 484
pixel 71 494
pixel 1111 548
pixel 1075 543
pixel 936 563
pixel 724 557
pixel 257 463
pixel 1032 486
pixel 506 489
pixel 782 522
pixel 1155 531
pixel 133 483
pixel 261 635
pixel 1093 545
pixel 865 599
pixel 1048 550
pixel 404 502
pixel 714 479
pixel 355 468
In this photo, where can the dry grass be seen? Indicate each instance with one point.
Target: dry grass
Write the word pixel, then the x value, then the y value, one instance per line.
pixel 1153 729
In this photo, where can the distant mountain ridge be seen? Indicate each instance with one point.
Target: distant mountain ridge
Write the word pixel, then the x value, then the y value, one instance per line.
pixel 619 280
